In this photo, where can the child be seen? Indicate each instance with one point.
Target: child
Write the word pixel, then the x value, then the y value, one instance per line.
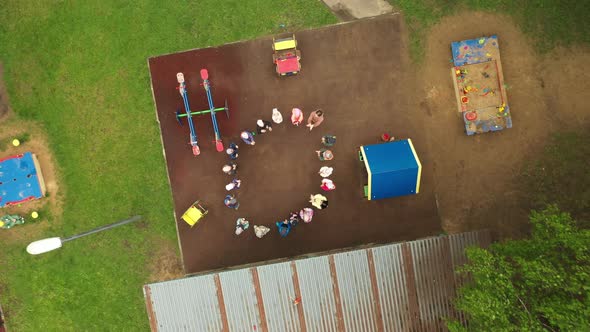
pixel 234 184
pixel 9 221
pixel 325 154
pixel 241 225
pixel 263 126
pixel 294 218
pixel 284 227
pixel 277 117
pixel 230 169
pixel 232 151
pixel 326 171
pixel 385 137
pixel 296 117
pixel 260 231
pixel 328 140
pixel 247 137
pixel 306 215
pixel 315 119
pixel 231 202
pixel 327 185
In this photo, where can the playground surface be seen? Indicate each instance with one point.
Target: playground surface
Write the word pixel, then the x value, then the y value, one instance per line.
pixel 354 72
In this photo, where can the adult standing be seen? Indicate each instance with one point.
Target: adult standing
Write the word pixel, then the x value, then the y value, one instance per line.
pixel 315 119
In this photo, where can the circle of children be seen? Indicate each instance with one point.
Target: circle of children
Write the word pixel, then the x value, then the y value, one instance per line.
pixel 318 201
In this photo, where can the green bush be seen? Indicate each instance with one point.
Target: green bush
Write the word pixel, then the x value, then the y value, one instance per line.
pixel 535 284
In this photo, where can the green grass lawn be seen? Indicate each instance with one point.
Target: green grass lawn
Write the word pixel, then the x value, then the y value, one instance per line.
pixel 79 68
pixel 549 23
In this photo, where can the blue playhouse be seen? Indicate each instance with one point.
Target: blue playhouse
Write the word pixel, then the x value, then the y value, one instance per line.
pixel 20 179
pixel 393 169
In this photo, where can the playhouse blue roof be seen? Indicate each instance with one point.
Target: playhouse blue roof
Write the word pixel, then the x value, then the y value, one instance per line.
pixel 393 169
pixel 390 157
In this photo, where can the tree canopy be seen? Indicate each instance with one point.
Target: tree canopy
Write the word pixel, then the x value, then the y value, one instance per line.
pixel 535 284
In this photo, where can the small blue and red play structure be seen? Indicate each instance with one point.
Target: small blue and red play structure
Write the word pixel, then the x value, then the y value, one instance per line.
pixel 393 169
pixel 21 179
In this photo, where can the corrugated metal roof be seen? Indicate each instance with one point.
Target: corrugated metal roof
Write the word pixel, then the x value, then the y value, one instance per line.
pixel 354 282
pixel 317 294
pixel 186 305
pixel 398 287
pixel 278 292
pixel 435 284
pixel 241 303
pixel 391 283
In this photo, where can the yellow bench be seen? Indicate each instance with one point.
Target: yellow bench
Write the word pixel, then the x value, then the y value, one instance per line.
pixel 194 213
pixel 284 44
